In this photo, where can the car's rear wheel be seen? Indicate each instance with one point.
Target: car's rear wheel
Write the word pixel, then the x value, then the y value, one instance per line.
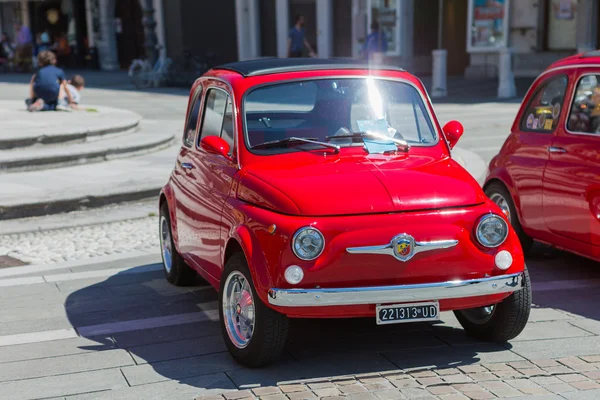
pixel 499 195
pixel 499 322
pixel 176 270
pixel 254 334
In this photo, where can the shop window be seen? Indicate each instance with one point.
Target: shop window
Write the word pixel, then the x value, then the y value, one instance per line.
pixel 561 25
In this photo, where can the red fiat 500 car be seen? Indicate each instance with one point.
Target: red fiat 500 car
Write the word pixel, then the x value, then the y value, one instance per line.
pixel 545 177
pixel 325 189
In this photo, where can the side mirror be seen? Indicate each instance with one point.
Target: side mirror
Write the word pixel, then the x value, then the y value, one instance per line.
pixel 453 130
pixel 215 145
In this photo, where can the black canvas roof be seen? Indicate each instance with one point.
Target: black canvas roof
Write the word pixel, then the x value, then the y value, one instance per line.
pixel 265 66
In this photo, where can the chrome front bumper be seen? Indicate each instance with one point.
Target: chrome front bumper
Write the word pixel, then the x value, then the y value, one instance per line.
pixel 395 294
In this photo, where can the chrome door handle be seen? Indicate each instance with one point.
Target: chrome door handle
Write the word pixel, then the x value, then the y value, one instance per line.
pixel 186 165
pixel 553 149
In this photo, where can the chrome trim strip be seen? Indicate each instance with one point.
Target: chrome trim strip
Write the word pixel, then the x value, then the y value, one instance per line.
pixel 388 249
pixel 395 294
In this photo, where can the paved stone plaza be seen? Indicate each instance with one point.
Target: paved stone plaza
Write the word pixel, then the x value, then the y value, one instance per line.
pixel 92 316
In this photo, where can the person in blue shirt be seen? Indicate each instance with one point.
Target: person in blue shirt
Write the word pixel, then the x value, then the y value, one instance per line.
pixel 375 43
pixel 45 86
pixel 297 39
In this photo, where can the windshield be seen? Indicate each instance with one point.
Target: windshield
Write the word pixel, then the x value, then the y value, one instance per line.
pixel 326 109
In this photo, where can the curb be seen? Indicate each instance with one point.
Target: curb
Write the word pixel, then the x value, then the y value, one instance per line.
pixel 472 162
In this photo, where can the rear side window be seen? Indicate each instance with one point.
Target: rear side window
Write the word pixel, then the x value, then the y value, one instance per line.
pixel 192 122
pixel 544 108
pixel 585 111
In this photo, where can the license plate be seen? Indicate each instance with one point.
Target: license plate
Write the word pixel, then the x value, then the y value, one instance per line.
pixel 398 313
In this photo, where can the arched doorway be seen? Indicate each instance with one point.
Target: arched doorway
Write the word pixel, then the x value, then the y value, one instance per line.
pixel 129 31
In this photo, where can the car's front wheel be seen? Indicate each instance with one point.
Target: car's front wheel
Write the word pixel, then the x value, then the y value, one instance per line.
pixel 254 334
pixel 176 270
pixel 499 195
pixel 499 322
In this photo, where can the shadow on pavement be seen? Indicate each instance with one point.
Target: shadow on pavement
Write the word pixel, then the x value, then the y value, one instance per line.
pixel 110 312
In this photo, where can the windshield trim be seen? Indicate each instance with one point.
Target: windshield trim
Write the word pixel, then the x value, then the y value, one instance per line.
pixel 424 100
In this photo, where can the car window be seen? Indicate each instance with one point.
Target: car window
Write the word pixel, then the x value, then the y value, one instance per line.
pixel 543 111
pixel 585 111
pixel 214 112
pixel 227 131
pixel 190 129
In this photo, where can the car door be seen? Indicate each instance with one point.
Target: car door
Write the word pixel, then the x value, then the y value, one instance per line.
pixel 182 177
pixel 213 175
pixel 532 136
pixel 572 176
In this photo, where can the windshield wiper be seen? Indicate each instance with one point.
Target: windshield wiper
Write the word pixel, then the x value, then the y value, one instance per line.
pixel 402 144
pixel 275 143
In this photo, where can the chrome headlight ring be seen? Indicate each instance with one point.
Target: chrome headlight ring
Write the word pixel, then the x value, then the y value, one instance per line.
pixel 308 243
pixel 491 230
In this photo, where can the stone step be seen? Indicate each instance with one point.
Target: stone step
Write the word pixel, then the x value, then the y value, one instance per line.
pixel 21 128
pixel 52 191
pixel 150 136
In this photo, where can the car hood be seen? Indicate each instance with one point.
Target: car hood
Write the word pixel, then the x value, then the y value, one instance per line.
pixel 359 185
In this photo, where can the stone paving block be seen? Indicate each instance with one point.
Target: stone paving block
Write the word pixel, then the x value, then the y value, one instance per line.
pixel 594 375
pixel 35 325
pixel 521 365
pixel 591 359
pixel 498 367
pixel 568 378
pixel 237 394
pixel 483 376
pixel 528 372
pixel 167 334
pixel 178 369
pixel 349 389
pixel 31 351
pixel 417 393
pixel 559 388
pixel 467 387
pixel 389 394
pixel 556 348
pixel 374 379
pixel 442 389
pixel 521 383
pixel 178 349
pixel 459 378
pixel 558 370
pixel 321 385
pixel 456 396
pixel 480 395
pixel 293 388
pixel 430 381
pixel 423 374
pixel 546 380
pixel 545 363
pixel 63 385
pixel 501 389
pixel 404 383
pixel 362 396
pixel 550 330
pixel 345 381
pixel 535 391
pixel 274 397
pixel 586 395
pixel 447 371
pixel 334 397
pixel 64 365
pixel 301 395
pixel 327 392
pixel 371 387
pixel 472 369
pixel 206 387
pixel 508 374
pixel 266 390
pixel 585 385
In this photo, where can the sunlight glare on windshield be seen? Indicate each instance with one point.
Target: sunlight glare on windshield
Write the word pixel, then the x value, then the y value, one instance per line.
pixel 375 99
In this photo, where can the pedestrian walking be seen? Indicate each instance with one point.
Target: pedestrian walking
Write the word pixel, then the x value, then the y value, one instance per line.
pixel 375 45
pixel 297 39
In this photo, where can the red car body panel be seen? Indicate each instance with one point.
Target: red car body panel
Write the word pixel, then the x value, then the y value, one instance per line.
pixel 354 199
pixel 556 194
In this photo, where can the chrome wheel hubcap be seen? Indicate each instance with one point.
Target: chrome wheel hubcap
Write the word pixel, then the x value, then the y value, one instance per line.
pixel 502 203
pixel 238 309
pixel 165 244
pixel 479 315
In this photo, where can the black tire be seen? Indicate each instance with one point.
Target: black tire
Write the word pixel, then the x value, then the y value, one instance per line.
pixel 180 274
pixel 497 188
pixel 508 318
pixel 270 328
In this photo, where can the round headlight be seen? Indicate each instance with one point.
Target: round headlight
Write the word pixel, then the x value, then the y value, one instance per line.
pixel 492 231
pixel 308 243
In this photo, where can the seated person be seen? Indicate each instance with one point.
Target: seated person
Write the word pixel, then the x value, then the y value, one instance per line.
pixel 45 86
pixel 74 86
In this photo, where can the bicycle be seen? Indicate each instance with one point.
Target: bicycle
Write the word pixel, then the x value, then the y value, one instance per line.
pixel 188 68
pixel 143 74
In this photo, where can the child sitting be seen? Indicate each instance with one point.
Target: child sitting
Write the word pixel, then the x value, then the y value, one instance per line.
pixel 46 84
pixel 74 86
